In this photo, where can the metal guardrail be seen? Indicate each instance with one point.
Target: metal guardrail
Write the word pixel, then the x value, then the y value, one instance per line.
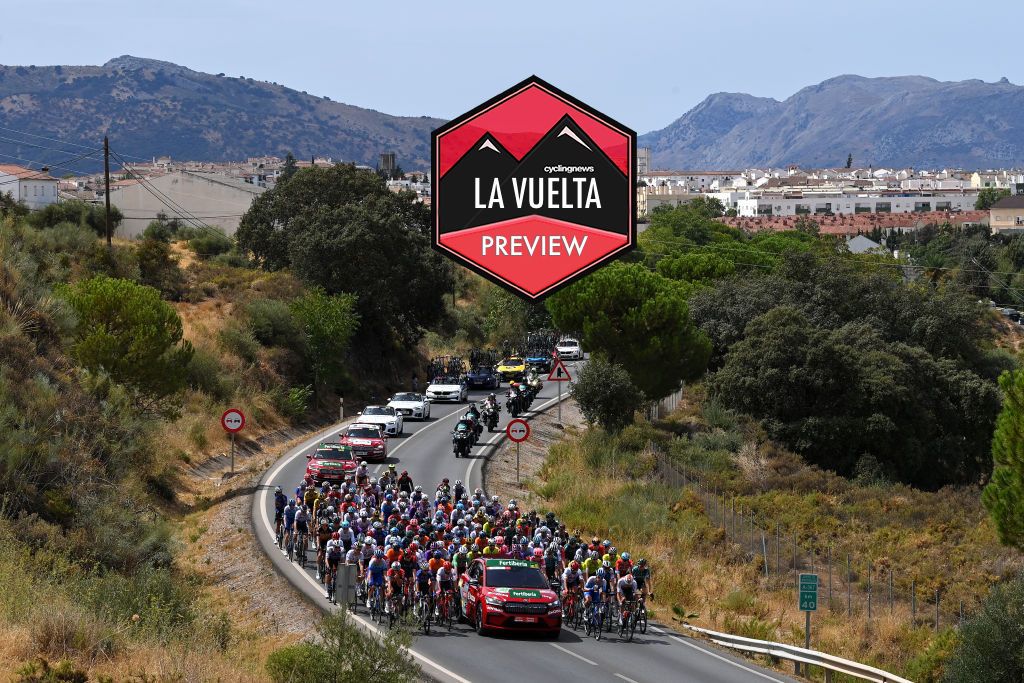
pixel 800 655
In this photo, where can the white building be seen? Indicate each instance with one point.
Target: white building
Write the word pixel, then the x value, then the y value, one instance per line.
pixel 797 203
pixel 209 198
pixel 35 188
pixel 690 181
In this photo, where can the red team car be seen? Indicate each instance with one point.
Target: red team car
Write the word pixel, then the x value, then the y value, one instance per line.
pixel 367 441
pixel 509 595
pixel 330 462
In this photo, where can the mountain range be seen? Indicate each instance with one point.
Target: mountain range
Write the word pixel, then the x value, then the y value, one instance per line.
pixel 153 108
pixel 898 121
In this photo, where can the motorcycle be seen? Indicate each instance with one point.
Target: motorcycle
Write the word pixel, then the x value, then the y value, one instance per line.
pixel 461 443
pixel 490 417
pixel 476 423
pixel 513 405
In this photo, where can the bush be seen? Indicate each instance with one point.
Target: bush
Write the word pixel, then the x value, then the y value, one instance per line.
pixel 204 375
pixel 239 340
pixel 928 665
pixel 343 652
pixel 991 645
pixel 158 268
pixel 209 242
pixel 272 323
pixel 92 216
pixel 40 671
pixel 606 395
pixel 295 402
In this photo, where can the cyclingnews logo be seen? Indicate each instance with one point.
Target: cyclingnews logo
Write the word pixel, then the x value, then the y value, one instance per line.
pixel 533 189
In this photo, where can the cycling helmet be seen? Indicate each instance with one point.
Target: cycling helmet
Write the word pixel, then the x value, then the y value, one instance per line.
pixel 414 546
pixel 335 536
pixel 389 497
pixel 458 482
pixel 437 554
pixel 391 466
pixel 641 562
pixel 537 552
pixel 379 552
pixel 277 489
pixel 625 556
pixel 593 554
pixel 600 572
pixel 291 503
pixel 394 530
pixel 460 506
pixel 574 565
pixel 419 489
pixel 362 464
pixel 606 565
pixel 490 541
pixel 345 524
pixel 606 543
pixel 448 566
pixel 396 565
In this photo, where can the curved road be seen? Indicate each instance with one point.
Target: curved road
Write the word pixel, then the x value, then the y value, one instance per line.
pixel 462 655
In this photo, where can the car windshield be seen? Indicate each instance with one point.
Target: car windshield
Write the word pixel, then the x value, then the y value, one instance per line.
pixel 515 577
pixel 336 452
pixel 568 342
pixel 514 361
pixel 483 370
pixel 364 433
pixel 375 410
pixel 406 397
pixel 446 380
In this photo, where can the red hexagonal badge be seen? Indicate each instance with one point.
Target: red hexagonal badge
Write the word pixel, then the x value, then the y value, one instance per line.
pixel 533 188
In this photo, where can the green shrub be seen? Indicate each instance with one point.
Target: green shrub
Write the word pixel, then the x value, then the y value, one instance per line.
pixel 158 268
pixel 300 662
pixel 272 323
pixel 719 440
pixel 295 402
pixel 606 395
pixel 40 671
pixel 927 666
pixel 209 242
pixel 204 374
pixel 718 416
pixel 991 644
pixel 233 258
pixel 239 340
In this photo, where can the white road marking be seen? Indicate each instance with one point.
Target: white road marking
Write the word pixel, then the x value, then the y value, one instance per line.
pixel 625 678
pixel 573 654
pixel 270 530
pixel 718 656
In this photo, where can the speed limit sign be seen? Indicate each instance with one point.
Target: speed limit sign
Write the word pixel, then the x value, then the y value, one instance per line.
pixel 232 420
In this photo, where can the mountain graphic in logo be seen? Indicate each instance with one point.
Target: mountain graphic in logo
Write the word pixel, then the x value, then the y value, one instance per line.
pixel 565 176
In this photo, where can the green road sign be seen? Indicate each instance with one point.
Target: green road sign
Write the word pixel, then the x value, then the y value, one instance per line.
pixel 808 592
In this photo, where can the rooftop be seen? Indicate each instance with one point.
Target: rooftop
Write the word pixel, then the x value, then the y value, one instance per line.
pixel 1015 201
pixel 24 173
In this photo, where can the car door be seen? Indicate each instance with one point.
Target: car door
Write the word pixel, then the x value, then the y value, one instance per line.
pixel 471 592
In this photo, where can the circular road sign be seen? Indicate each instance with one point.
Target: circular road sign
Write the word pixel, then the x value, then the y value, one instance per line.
pixel 232 420
pixel 518 430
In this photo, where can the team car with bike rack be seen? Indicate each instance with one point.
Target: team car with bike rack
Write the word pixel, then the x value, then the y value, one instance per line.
pixel 367 441
pixel 410 405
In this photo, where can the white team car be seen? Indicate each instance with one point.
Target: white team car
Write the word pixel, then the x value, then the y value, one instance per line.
pixel 388 418
pixel 452 389
pixel 410 405
pixel 569 349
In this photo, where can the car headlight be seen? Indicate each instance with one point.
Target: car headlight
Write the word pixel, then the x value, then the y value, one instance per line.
pixel 554 603
pixel 494 602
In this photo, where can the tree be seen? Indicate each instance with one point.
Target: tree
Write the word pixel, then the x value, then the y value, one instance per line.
pixel 988 196
pixel 636 319
pixel 836 395
pixel 158 268
pixel 289 168
pixel 80 213
pixel 704 267
pixel 342 653
pixel 328 324
pixel 991 643
pixel 9 206
pixel 340 228
pixel 849 161
pixel 606 395
pixel 125 330
pixel 1004 496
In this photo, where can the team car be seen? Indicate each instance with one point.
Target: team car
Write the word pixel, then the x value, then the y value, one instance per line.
pixel 449 388
pixel 569 349
pixel 540 361
pixel 388 418
pixel 483 377
pixel 367 441
pixel 509 595
pixel 330 462
pixel 512 367
pixel 410 405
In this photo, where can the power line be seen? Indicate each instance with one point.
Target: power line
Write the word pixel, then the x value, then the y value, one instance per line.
pixel 151 187
pixel 43 137
pixel 183 214
pixel 51 165
pixel 46 147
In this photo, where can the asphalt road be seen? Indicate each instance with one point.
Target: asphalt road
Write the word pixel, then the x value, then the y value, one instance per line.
pixel 461 655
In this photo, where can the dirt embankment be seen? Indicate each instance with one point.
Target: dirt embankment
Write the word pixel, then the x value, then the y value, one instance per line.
pixel 500 468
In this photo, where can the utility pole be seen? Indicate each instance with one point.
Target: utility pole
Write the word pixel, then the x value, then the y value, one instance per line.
pixel 106 183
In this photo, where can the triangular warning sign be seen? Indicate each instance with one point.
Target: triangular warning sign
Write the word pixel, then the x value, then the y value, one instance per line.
pixel 559 373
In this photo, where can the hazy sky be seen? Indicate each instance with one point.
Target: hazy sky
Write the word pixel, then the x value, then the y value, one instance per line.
pixel 643 63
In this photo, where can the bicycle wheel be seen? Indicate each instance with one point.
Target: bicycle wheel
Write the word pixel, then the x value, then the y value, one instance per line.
pixel 588 624
pixel 599 621
pixel 632 624
pixel 641 617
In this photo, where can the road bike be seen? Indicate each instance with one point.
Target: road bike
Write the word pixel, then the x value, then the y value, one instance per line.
pixel 595 619
pixel 332 581
pixel 423 611
pixel 376 604
pixel 395 608
pixel 571 611
pixel 641 614
pixel 446 610
pixel 300 548
pixel 627 620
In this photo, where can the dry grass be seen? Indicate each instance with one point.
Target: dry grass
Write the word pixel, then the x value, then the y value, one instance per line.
pixel 700 572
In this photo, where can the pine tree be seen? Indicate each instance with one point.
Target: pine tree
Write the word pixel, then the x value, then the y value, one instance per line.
pixel 1004 496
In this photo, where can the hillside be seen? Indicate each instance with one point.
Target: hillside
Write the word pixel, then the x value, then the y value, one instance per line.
pixel 152 108
pixel 899 121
